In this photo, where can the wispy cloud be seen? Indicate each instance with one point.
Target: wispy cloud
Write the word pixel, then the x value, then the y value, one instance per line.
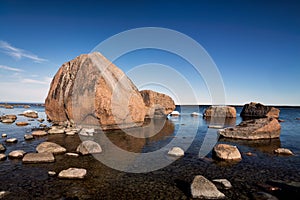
pixel 45 81
pixel 19 53
pixel 10 68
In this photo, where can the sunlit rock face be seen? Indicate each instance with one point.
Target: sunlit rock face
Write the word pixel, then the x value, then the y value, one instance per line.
pixel 90 90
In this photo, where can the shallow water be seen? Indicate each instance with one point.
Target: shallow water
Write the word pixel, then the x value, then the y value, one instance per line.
pixel 251 175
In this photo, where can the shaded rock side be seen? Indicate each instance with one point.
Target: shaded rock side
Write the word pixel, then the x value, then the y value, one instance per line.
pixel 90 90
pixel 264 128
pixel 157 104
pixel 220 111
pixel 258 110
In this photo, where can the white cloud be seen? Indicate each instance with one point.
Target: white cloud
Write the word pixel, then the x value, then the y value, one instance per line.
pixel 19 53
pixel 10 68
pixel 45 81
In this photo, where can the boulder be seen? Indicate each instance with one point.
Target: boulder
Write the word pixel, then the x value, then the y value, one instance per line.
pixel 72 173
pixel 257 110
pixel 16 154
pixel 90 90
pixel 157 104
pixel 39 133
pixel 89 147
pixel 28 137
pixel 220 111
pixel 45 157
pixel 50 147
pixel 202 188
pixel 226 152
pixel 2 148
pixel 56 130
pixel 264 128
pixel 8 118
pixel 2 156
pixel 30 114
pixel 283 151
pixel 11 140
pixel 176 151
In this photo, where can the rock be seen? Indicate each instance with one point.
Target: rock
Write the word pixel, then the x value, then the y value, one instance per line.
pixel 40 120
pixel 157 104
pixel 220 111
pixel 44 157
pixel 2 156
pixel 226 152
pixel 22 123
pixel 264 128
pixel 176 151
pixel 195 114
pixel 3 194
pixel 72 154
pixel 283 151
pixel 71 133
pixel 11 140
pixel 204 189
pixel 16 154
pixel 87 132
pixel 72 173
pixel 26 106
pixel 8 119
pixel 225 184
pixel 175 113
pixel 39 133
pixel 89 147
pixel 8 107
pixel 257 110
pixel 51 173
pixel 4 135
pixel 30 114
pixel 28 137
pixel 56 130
pixel 50 147
pixel 100 93
pixel 216 126
pixel 2 148
pixel 43 125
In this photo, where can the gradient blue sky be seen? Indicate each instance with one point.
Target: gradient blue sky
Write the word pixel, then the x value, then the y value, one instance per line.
pixel 255 44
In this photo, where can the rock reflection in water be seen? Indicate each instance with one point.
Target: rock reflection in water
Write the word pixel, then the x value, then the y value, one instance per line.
pixel 263 145
pixel 220 121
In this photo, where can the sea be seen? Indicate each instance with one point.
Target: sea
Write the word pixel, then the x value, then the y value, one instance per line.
pixel 140 168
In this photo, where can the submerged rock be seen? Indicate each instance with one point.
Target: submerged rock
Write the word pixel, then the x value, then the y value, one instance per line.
pixel 91 90
pixel 89 147
pixel 204 189
pixel 157 104
pixel 226 152
pixel 50 147
pixel 44 157
pixel 72 173
pixel 257 110
pixel 264 128
pixel 220 111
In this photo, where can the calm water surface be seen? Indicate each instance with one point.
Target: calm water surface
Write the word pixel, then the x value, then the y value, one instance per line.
pixel 253 174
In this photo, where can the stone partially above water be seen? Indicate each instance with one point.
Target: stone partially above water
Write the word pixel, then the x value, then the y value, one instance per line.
pixel 205 189
pixel 2 156
pixel 258 110
pixel 157 104
pixel 2 148
pixel 176 151
pixel 264 128
pixel 226 152
pixel 72 173
pixel 8 118
pixel 30 114
pixel 283 151
pixel 50 147
pixel 44 157
pixel 89 147
pixel 16 154
pixel 220 111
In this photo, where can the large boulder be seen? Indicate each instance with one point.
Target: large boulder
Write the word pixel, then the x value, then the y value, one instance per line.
pixel 257 110
pixel 157 104
pixel 263 128
pixel 220 111
pixel 90 90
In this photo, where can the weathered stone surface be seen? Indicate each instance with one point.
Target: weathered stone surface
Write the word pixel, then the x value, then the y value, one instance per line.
pixel 2 156
pixel 157 104
pixel 89 147
pixel 264 128
pixel 91 90
pixel 283 151
pixel 226 152
pixel 2 148
pixel 16 154
pixel 8 118
pixel 72 173
pixel 30 114
pixel 176 151
pixel 204 189
pixel 39 133
pixel 44 157
pixel 50 147
pixel 220 111
pixel 257 110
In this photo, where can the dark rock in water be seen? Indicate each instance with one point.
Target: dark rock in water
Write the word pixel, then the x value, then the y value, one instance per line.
pixel 257 110
pixel 157 104
pixel 220 111
pixel 91 90
pixel 2 148
pixel 264 128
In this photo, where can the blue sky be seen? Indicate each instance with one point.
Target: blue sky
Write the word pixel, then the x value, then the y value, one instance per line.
pixel 254 44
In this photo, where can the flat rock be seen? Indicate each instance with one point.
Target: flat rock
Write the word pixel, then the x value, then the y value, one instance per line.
pixel 39 133
pixel 72 154
pixel 2 156
pixel 220 111
pixel 16 154
pixel 72 173
pixel 176 151
pixel 8 118
pixel 50 147
pixel 22 123
pixel 4 135
pixel 264 128
pixel 283 151
pixel 30 114
pixel 89 147
pixel 226 152
pixel 44 157
pixel 87 132
pixel 28 137
pixel 51 173
pixel 11 140
pixel 55 130
pixel 204 189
